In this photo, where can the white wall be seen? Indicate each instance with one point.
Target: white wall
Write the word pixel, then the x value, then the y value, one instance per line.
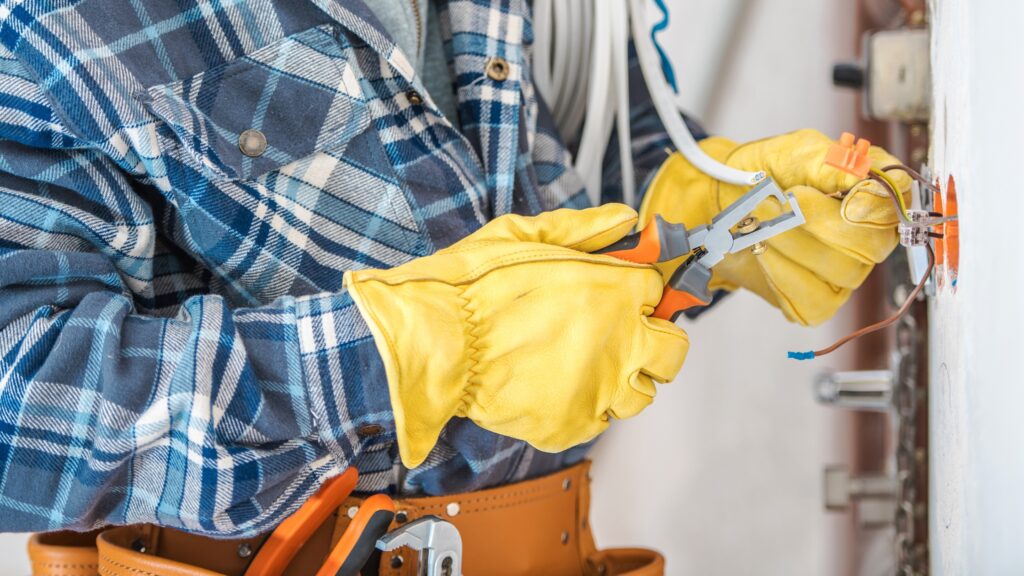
pixel 723 472
pixel 977 387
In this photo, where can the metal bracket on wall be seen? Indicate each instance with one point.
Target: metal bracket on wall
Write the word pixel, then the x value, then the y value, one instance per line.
pixel 898 391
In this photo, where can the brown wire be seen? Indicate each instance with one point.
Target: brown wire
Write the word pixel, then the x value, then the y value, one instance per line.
pixel 913 174
pixel 892 195
pixel 891 319
pixel 913 294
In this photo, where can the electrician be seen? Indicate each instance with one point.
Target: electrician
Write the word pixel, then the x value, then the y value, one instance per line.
pixel 247 245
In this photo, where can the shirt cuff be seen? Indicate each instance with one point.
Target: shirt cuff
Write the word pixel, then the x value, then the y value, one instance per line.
pixel 345 380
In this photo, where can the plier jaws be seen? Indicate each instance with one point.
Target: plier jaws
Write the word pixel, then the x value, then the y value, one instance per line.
pixel 732 230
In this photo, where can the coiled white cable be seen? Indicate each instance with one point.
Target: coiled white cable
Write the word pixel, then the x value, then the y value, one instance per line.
pixel 661 96
pixel 597 126
pixel 620 69
pixel 580 52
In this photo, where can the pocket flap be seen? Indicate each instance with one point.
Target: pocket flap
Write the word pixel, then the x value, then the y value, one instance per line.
pixel 300 92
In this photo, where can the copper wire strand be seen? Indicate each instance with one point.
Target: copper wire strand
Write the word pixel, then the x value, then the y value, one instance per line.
pixel 891 319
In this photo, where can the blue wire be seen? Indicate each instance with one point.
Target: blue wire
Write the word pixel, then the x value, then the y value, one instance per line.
pixel 801 355
pixel 666 64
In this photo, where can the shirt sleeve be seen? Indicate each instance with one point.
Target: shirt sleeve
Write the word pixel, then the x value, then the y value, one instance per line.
pixel 119 407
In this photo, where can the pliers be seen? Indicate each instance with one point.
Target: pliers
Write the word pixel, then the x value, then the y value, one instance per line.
pixel 732 230
pixel 437 541
pixel 357 543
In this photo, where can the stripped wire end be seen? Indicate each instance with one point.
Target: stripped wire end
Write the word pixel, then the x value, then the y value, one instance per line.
pixel 877 325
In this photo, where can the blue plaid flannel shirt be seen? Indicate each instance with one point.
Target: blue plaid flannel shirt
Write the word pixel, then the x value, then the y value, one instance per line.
pixel 175 344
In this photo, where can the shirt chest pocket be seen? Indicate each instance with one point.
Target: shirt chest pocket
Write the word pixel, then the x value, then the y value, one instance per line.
pixel 290 120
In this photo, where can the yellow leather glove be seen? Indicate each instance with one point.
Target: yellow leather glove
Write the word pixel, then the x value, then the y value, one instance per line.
pixel 808 272
pixel 518 328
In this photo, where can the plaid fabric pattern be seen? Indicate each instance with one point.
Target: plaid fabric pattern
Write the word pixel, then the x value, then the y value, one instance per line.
pixel 175 344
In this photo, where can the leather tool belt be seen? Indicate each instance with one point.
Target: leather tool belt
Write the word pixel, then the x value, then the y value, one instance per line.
pixel 539 526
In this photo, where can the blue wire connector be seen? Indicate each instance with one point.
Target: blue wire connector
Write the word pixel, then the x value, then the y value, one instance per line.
pixel 801 355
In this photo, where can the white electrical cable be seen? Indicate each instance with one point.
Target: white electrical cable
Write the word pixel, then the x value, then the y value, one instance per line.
pixel 661 95
pixel 597 125
pixel 620 79
pixel 542 48
pixel 561 57
pixel 580 62
pixel 581 72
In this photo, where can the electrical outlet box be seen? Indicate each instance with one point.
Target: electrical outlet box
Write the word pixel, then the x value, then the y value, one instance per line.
pixel 897 79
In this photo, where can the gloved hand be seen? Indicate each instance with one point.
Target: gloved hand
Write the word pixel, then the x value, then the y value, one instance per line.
pixel 808 272
pixel 518 328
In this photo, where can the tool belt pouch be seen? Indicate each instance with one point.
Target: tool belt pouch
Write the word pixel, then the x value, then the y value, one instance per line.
pixel 537 527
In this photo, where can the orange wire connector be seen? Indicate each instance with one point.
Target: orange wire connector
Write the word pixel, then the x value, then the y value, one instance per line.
pixel 850 157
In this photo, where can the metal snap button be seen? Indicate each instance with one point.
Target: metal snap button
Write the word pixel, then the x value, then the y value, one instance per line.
pixel 453 509
pixel 414 97
pixel 497 68
pixel 252 143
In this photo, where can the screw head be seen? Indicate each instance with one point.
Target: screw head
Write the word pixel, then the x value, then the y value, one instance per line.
pixel 748 225
pixel 758 248
pixel 244 550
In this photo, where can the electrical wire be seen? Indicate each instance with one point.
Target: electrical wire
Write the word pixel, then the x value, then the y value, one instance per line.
pixel 597 125
pixel 881 177
pixel 666 64
pixel 664 103
pixel 901 203
pixel 913 174
pixel 898 200
pixel 579 60
pixel 542 26
pixel 877 325
pixel 620 65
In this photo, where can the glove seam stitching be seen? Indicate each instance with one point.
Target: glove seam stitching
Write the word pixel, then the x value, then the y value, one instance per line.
pixel 473 352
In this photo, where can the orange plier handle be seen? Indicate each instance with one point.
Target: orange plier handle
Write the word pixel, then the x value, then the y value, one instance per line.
pixel 350 553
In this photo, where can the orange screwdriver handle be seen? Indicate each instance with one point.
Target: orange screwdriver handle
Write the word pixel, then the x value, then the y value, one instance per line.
pixel 674 302
pixel 289 537
pixel 359 541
